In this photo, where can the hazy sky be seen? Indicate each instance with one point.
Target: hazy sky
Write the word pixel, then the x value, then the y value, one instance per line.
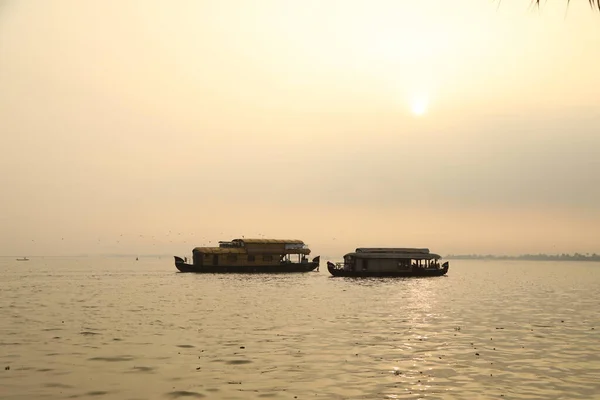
pixel 156 126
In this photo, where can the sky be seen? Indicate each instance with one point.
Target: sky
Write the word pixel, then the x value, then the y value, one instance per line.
pixel 152 127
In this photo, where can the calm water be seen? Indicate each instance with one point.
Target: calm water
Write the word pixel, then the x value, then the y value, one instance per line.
pixel 120 329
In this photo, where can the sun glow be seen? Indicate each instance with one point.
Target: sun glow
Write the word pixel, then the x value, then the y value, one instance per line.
pixel 419 105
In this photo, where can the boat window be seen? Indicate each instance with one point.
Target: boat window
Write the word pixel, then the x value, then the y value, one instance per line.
pixel 267 258
pixel 251 258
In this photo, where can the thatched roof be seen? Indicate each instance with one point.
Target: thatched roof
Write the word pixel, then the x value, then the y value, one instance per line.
pixel 219 250
pixel 395 256
pixel 269 241
pixel 410 250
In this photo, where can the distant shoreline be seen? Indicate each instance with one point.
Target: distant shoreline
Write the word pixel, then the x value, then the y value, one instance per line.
pixel 527 257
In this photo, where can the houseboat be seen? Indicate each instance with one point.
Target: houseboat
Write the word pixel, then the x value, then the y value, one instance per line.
pixel 389 262
pixel 250 256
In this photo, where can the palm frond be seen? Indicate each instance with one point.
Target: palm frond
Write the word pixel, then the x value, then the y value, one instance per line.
pixel 593 3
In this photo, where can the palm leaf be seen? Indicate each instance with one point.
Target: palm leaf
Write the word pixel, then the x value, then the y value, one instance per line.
pixel 593 3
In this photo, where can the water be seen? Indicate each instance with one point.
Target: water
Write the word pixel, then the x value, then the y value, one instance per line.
pixel 119 329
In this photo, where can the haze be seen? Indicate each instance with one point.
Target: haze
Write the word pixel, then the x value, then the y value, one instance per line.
pixel 151 127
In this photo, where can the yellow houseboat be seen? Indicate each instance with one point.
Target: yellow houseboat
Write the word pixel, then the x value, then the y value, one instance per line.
pixel 250 256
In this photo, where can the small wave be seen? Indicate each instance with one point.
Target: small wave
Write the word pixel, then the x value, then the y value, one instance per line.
pixel 112 359
pixel 143 369
pixel 184 393
pixel 96 393
pixel 238 362
pixel 58 385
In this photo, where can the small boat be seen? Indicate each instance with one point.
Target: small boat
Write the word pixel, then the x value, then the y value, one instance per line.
pixel 390 261
pixel 250 256
pixel 23 259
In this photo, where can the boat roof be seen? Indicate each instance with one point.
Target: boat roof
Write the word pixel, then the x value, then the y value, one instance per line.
pixel 243 250
pixel 396 255
pixel 392 250
pixel 219 250
pixel 270 241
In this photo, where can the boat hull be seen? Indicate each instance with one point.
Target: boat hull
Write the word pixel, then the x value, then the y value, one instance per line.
pixel 182 266
pixel 413 273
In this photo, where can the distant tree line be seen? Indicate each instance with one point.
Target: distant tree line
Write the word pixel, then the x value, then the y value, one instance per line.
pixel 535 257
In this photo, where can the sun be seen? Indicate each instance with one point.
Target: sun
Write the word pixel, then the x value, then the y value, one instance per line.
pixel 419 105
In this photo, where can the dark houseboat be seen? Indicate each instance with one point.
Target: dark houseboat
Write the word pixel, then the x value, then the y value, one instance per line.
pixel 389 262
pixel 251 256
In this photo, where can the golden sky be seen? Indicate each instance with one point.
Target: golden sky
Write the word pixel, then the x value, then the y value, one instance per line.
pixel 156 126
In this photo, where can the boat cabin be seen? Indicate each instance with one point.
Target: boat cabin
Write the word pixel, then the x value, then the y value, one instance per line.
pixel 380 260
pixel 252 252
